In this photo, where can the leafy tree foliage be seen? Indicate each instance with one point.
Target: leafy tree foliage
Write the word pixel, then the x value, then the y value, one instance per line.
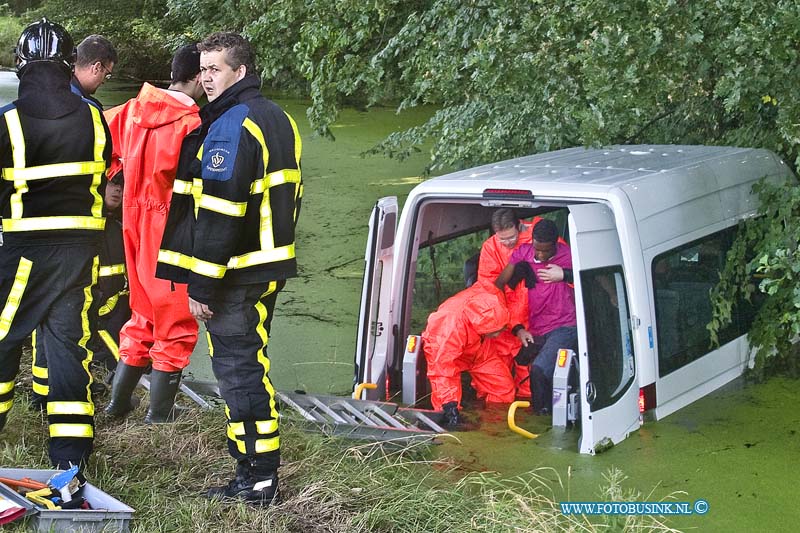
pixel 513 78
pixel 143 32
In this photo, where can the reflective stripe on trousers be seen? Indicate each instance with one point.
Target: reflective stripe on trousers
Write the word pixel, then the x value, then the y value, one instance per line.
pixel 238 335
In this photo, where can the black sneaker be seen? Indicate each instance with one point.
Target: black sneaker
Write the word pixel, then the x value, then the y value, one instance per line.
pixel 250 488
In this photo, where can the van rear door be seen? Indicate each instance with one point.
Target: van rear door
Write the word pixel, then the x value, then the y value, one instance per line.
pixel 608 391
pixel 374 321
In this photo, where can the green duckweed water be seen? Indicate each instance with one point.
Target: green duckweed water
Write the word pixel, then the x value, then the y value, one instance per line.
pixel 738 448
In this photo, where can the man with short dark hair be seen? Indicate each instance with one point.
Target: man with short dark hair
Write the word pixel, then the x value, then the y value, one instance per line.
pixel 230 235
pixel 551 307
pixel 147 132
pixel 93 66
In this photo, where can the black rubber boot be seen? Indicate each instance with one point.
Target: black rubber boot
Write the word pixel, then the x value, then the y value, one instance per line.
pixel 163 388
pixel 450 416
pixel 249 486
pixel 126 378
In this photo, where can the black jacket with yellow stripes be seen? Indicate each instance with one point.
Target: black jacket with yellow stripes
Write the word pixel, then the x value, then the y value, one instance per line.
pixel 236 198
pixel 54 148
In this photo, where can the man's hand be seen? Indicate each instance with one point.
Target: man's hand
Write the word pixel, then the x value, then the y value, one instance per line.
pixel 525 336
pixel 199 311
pixel 551 274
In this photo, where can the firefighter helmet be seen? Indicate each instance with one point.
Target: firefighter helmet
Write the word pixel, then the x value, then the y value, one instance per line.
pixel 45 41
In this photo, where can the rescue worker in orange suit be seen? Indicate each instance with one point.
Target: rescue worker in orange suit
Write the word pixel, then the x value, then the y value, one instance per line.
pixel 111 297
pixel 54 150
pixel 454 342
pixel 147 132
pixel 231 235
pixel 509 234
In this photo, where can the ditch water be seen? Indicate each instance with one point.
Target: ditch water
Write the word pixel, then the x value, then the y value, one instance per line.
pixel 738 449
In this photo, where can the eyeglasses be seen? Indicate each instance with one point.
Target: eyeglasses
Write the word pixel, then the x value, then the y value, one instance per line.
pixel 107 70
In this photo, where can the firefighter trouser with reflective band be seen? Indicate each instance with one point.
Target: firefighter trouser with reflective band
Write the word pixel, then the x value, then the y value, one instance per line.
pixel 238 336
pixel 51 286
pixel 104 343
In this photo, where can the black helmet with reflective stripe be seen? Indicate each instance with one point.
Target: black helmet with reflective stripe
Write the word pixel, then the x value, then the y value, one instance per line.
pixel 45 41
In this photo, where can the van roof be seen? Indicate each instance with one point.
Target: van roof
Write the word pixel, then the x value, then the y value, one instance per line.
pixel 672 190
pixel 611 166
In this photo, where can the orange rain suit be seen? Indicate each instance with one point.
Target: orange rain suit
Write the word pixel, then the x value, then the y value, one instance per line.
pixel 494 258
pixel 452 344
pixel 147 133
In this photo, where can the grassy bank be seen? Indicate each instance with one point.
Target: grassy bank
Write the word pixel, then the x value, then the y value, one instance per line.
pixel 328 484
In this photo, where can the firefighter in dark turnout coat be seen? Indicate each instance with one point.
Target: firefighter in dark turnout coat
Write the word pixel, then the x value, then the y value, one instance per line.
pixel 53 154
pixel 230 235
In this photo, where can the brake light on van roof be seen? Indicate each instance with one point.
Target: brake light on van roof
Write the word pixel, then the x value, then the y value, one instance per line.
pixel 504 193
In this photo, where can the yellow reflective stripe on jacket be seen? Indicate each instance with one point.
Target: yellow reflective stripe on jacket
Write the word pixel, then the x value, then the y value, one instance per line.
pixel 48 223
pixel 260 257
pixel 20 174
pixel 175 259
pixel 205 268
pixel 15 295
pixel 41 390
pixel 298 143
pixel 222 206
pixel 39 371
pixel 70 408
pixel 279 177
pixel 71 430
pixel 256 132
pixel 6 387
pixel 18 156
pixel 298 148
pixel 55 170
pixel 182 187
pixel 99 148
pixel 112 270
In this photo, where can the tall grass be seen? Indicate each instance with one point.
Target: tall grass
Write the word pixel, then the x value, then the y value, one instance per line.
pixel 328 484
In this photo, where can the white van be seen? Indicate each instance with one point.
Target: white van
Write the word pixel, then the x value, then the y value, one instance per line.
pixel 656 221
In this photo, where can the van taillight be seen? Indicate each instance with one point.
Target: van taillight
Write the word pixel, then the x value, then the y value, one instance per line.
pixel 647 398
pixel 562 358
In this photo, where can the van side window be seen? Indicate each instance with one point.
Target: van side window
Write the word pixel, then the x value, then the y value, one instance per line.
pixel 682 279
pixel 608 334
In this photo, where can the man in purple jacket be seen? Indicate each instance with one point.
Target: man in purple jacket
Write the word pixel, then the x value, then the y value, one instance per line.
pixel 546 266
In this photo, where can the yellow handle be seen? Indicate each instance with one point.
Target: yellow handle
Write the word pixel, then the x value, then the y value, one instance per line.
pixel 40 497
pixel 360 388
pixel 513 425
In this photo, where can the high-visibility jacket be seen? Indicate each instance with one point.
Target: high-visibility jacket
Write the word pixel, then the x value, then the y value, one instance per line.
pixel 452 344
pixel 47 194
pixel 236 200
pixel 148 132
